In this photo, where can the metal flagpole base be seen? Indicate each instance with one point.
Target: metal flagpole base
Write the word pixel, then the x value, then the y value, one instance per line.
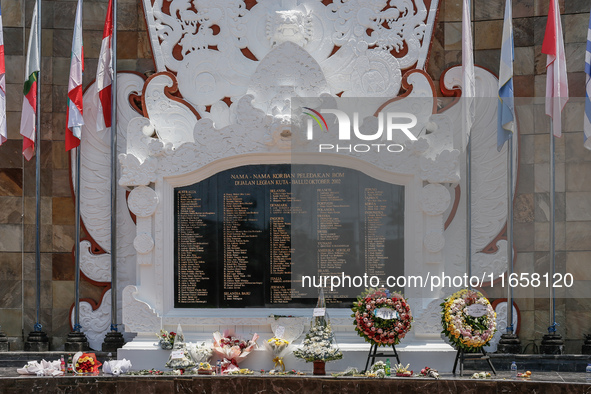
pixel 38 341
pixel 76 342
pixel 587 345
pixel 113 341
pixel 509 344
pixel 552 344
pixel 4 344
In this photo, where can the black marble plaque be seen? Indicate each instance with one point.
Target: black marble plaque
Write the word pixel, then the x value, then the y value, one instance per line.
pixel 245 237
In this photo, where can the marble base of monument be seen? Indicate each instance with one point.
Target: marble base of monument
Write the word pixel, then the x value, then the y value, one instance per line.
pixel 76 342
pixel 509 343
pixel 552 344
pixel 113 341
pixel 144 353
pixel 37 341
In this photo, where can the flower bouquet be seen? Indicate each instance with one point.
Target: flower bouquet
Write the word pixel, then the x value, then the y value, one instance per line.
pixel 277 347
pixel 166 339
pixel 85 363
pixel 232 349
pixel 468 320
pixel 381 317
pixel 377 370
pixel 319 345
pixel 200 353
pixel 430 372
pixel 180 358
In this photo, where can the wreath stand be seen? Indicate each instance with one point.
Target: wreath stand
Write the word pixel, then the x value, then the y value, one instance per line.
pixel 373 354
pixel 461 356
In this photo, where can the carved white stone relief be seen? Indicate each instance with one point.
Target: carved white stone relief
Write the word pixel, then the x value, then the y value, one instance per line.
pixel 95 203
pixel 138 316
pixel 142 201
pixel 95 266
pixel 143 243
pixel 96 323
pixel 489 179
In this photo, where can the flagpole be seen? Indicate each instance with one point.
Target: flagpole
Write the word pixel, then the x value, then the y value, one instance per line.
pixel 510 234
pixel 509 342
pixel 77 340
pixel 38 326
pixel 469 180
pixel 38 340
pixel 77 325
pixel 552 326
pixel 557 92
pixel 114 174
pixel 113 339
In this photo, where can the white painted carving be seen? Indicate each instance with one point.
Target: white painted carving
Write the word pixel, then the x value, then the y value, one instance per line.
pixel 95 203
pixel 435 199
pixel 142 201
pixel 95 266
pixel 289 26
pixel 143 243
pixel 95 323
pixel 375 42
pixel 489 182
pixel 173 119
pixel 428 320
pixel 138 316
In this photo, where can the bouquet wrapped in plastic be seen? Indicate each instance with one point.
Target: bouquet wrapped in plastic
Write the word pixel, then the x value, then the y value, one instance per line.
pixel 201 353
pixel 117 367
pixel 180 357
pixel 277 347
pixel 85 363
pixel 166 339
pixel 232 349
pixel 43 368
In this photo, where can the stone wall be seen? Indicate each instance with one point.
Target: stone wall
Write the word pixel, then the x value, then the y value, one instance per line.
pixel 17 177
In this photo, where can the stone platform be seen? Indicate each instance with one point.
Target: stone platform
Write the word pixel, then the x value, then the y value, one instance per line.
pixel 543 382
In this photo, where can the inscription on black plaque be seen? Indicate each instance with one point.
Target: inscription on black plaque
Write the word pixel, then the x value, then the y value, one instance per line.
pixel 244 237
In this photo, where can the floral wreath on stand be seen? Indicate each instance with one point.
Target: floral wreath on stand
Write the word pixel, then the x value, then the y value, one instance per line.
pixel 468 320
pixel 381 317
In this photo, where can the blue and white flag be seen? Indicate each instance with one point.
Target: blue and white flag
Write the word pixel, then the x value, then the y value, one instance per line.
pixel 587 126
pixel 506 109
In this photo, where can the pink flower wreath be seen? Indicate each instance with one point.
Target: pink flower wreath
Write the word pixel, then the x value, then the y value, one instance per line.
pixel 370 311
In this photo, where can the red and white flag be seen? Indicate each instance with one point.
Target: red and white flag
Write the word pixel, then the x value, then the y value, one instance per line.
pixel 74 119
pixel 556 80
pixel 3 133
pixel 29 112
pixel 104 74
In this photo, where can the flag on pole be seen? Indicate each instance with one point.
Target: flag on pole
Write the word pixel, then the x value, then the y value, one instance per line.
pixel 29 112
pixel 587 126
pixel 468 83
pixel 506 106
pixel 3 133
pixel 556 80
pixel 74 119
pixel 104 73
